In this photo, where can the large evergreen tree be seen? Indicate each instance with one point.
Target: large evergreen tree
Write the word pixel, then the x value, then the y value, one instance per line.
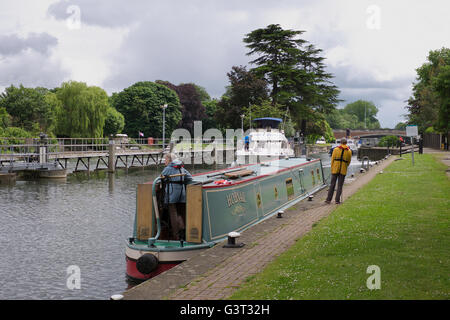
pixel 295 71
pixel 245 89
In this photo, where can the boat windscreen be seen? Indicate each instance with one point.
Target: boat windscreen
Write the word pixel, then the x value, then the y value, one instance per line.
pixel 268 122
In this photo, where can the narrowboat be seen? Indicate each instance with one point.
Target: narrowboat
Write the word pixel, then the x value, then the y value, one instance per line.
pixel 217 203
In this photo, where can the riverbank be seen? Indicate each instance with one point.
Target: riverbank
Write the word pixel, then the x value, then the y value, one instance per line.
pixel 398 222
pixel 218 272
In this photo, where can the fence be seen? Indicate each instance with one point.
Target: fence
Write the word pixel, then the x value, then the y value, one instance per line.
pixel 432 140
pixel 29 149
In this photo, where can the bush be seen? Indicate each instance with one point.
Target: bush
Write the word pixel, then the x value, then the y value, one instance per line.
pixel 388 141
pixel 14 132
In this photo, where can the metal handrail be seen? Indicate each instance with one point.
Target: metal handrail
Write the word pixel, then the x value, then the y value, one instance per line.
pixel 152 240
pixel 362 163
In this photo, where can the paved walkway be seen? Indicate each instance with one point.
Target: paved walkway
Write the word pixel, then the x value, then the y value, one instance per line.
pixel 217 272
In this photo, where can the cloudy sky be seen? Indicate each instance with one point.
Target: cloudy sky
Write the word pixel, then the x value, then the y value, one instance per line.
pixel 372 47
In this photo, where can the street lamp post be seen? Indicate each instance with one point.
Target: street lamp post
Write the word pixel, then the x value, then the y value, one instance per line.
pixel 164 107
pixel 365 114
pixel 242 122
pixel 250 114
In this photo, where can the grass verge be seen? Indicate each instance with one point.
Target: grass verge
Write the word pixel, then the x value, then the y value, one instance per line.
pixel 399 222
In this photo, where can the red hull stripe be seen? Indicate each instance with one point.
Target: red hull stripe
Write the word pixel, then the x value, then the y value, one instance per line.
pixel 134 273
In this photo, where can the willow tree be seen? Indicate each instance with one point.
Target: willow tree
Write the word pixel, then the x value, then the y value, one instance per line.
pixel 83 110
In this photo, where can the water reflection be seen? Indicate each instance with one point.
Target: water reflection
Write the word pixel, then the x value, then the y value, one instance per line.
pixel 49 225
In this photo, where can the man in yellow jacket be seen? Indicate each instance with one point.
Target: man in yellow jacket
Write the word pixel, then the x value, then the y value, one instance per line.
pixel 340 160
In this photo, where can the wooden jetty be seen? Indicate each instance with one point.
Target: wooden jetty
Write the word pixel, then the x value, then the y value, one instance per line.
pixel 49 158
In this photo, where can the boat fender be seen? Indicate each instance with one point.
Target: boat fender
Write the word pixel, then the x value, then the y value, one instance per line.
pixel 147 263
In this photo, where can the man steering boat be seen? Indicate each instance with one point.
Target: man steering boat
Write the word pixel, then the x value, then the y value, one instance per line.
pixel 174 178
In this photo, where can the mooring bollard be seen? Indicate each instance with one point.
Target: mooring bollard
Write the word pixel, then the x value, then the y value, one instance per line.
pixel 232 240
pixel 116 297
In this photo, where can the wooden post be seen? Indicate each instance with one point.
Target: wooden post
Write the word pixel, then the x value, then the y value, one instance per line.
pixel 194 213
pixel 112 156
pixel 144 211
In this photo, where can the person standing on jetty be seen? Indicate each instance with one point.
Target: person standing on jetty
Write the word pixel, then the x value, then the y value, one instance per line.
pixel 175 179
pixel 340 160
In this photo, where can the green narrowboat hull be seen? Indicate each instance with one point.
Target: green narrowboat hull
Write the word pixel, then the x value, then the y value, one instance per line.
pixel 244 202
pixel 241 205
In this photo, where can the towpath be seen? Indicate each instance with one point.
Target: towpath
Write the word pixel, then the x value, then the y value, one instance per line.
pixel 215 273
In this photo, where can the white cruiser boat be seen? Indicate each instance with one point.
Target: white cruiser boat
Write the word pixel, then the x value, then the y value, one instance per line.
pixel 265 142
pixel 351 144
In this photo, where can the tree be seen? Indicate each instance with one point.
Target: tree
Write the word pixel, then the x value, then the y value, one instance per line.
pixel 262 110
pixel 211 109
pixel 50 118
pixel 427 106
pixel 339 119
pixel 400 126
pixel 29 108
pixel 245 89
pixel 83 110
pixel 441 85
pixel 141 104
pixel 5 118
pixel 365 112
pixel 14 132
pixel 114 122
pixel 388 141
pixel 204 95
pixel 192 108
pixel 294 69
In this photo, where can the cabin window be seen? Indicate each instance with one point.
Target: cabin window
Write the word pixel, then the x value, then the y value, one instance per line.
pixel 289 188
pixel 318 175
pixel 276 193
pixel 313 177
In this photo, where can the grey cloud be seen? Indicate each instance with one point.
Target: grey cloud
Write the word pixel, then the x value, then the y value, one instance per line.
pixel 388 95
pixel 14 44
pixel 117 13
pixel 199 41
pixel 350 76
pixel 188 45
pixel 31 69
pixel 389 101
pixel 110 13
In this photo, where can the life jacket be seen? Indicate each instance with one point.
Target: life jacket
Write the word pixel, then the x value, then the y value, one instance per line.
pixel 342 162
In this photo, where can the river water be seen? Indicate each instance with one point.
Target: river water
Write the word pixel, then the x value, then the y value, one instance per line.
pixel 48 226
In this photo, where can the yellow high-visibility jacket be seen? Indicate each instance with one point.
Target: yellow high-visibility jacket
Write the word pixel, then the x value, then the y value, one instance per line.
pixel 340 159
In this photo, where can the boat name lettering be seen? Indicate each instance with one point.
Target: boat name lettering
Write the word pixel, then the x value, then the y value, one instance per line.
pixel 235 197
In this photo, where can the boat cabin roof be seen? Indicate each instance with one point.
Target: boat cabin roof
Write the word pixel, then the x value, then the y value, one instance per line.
pixel 211 179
